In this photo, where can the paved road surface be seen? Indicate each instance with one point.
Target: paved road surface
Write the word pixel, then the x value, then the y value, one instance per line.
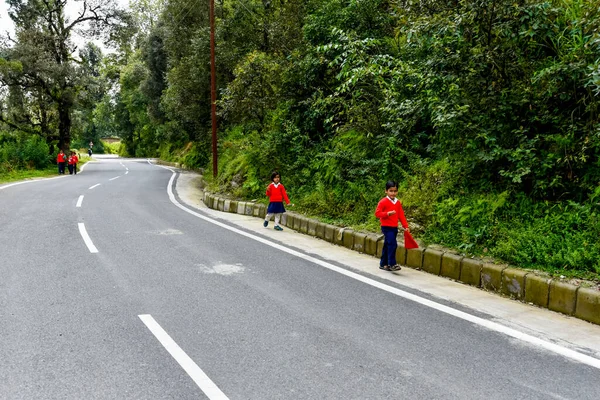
pixel 120 294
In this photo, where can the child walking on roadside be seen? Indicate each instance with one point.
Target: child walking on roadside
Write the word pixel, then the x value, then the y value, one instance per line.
pixel 60 160
pixel 389 211
pixel 276 194
pixel 75 161
pixel 70 164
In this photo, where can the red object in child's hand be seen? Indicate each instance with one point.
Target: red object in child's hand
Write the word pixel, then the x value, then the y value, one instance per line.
pixel 409 242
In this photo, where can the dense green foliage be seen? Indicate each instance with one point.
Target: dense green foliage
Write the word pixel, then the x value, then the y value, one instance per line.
pixel 486 112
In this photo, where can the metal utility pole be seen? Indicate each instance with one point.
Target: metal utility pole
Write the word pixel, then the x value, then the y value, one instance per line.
pixel 213 86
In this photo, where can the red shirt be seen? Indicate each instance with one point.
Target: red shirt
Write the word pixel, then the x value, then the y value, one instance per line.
pixel 75 159
pixel 71 160
pixel 61 157
pixel 277 193
pixel 386 205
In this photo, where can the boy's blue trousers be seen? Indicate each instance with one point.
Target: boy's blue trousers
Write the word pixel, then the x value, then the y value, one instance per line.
pixel 390 244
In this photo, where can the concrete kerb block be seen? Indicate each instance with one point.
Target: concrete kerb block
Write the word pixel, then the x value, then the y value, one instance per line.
pixel 256 210
pixel 513 283
pixel 312 227
pixel 451 266
pixel 297 222
pixel 401 254
pixel 537 290
pixel 320 230
pixel 241 208
pixel 205 198
pixel 289 219
pixel 470 272
pixel 304 224
pixel 233 206
pixel 414 257
pixel 371 244
pixel 262 210
pixel 284 218
pixel 210 201
pixel 359 242
pixel 220 204
pixel 330 233
pixel 338 236
pixel 226 205
pixel 249 209
pixel 432 261
pixel 348 238
pixel 588 305
pixel 380 242
pixel 563 297
pixel 491 277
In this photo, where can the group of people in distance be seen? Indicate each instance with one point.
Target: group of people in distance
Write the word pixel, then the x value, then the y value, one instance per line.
pixel 63 161
pixel 389 212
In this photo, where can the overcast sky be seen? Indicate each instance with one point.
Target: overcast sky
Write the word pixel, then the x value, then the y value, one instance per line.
pixel 73 7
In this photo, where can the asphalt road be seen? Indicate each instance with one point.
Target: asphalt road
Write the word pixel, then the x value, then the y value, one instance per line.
pixel 161 304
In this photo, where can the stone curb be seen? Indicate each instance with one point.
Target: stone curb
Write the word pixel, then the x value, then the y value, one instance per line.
pixel 544 292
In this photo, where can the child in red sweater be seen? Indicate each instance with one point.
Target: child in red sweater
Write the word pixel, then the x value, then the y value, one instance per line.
pixel 389 211
pixel 276 194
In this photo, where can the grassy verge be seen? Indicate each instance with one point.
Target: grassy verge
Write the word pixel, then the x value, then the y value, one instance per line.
pixel 25 174
pixel 19 175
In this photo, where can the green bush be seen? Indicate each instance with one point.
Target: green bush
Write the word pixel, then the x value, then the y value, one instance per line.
pixel 29 152
pixel 35 153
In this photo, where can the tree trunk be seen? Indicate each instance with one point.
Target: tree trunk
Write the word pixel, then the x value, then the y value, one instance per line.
pixel 64 125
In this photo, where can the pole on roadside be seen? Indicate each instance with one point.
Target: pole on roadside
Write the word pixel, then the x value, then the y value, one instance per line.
pixel 213 86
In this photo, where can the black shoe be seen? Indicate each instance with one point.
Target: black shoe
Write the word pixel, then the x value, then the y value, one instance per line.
pixel 384 267
pixel 278 228
pixel 265 223
pixel 395 268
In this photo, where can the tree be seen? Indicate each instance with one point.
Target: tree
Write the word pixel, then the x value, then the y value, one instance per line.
pixel 45 52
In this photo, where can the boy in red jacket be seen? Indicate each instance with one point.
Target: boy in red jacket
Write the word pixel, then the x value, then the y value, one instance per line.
pixel 75 161
pixel 276 194
pixel 60 160
pixel 389 211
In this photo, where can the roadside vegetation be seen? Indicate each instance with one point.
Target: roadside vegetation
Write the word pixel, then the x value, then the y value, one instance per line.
pixel 486 112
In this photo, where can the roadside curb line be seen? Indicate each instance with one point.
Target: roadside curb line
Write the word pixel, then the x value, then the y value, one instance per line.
pixel 524 286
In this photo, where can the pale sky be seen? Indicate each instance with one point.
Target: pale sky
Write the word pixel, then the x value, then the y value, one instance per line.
pixel 72 8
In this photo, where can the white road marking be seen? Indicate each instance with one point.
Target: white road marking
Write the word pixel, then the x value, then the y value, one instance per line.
pixel 84 165
pixel 38 180
pixel 86 238
pixel 116 177
pixel 493 326
pixel 79 201
pixel 30 181
pixel 96 185
pixel 126 172
pixel 193 370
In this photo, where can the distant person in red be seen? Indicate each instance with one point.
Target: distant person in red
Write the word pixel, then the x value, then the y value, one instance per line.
pixel 276 194
pixel 61 160
pixel 70 164
pixel 75 161
pixel 389 211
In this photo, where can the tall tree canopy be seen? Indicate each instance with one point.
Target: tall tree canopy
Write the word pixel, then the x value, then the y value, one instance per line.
pixel 42 62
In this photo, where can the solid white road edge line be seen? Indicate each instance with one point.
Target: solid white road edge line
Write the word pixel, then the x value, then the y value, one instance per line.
pixel 39 180
pixel 86 238
pixel 79 201
pixel 30 181
pixel 193 370
pixel 96 185
pixel 116 177
pixel 566 352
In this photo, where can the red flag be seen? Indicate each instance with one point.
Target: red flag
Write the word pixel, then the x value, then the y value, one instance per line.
pixel 409 242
